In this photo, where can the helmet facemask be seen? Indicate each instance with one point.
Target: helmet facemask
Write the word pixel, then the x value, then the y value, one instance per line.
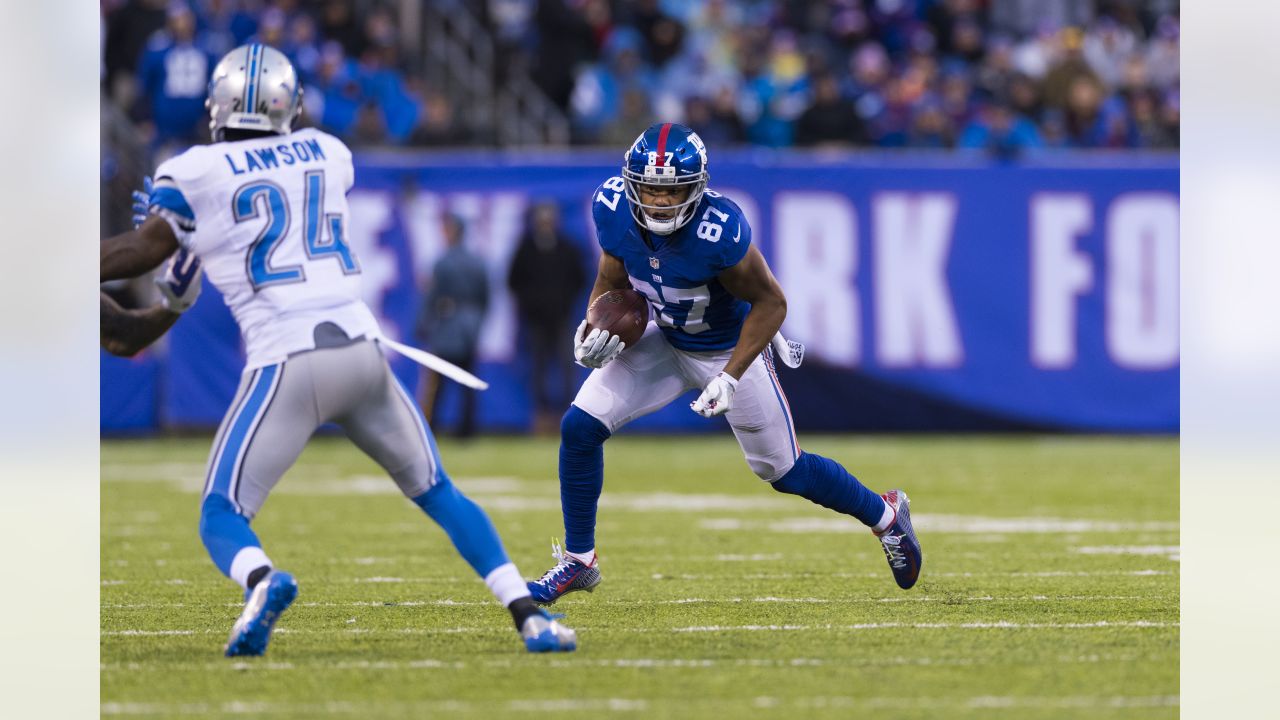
pixel 663 177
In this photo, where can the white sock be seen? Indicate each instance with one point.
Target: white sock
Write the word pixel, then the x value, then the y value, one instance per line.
pixel 886 519
pixel 246 561
pixel 587 558
pixel 506 584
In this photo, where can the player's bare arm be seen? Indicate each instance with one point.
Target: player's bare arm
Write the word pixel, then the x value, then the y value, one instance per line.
pixel 752 281
pixel 126 332
pixel 611 275
pixel 133 253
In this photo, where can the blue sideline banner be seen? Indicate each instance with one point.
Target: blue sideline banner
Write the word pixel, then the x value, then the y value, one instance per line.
pixel 932 292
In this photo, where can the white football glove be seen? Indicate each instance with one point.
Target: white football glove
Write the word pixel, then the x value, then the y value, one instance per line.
pixel 180 283
pixel 597 348
pixel 717 398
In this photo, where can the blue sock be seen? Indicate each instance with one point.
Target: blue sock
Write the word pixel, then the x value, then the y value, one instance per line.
pixel 224 531
pixel 581 477
pixel 466 524
pixel 828 484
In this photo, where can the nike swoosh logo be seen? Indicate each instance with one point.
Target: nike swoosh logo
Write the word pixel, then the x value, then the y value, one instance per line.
pixel 735 237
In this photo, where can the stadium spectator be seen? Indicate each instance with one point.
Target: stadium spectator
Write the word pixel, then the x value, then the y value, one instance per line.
pixel 565 41
pixel 1053 128
pixel 1086 125
pixel 174 78
pixel 339 24
pixel 547 278
pixel 633 115
pixel 774 92
pixel 302 47
pixel 597 94
pixel 334 100
pixel 713 31
pixel 663 35
pixel 1000 131
pixel 129 25
pixel 869 78
pixel 1024 96
pixel 831 120
pixel 955 96
pixel 370 128
pixel 225 24
pixel 449 323
pixel 1071 66
pixel 715 121
pixel 1163 53
pixel 1108 45
pixel 438 127
pixel 931 127
pixel 271 28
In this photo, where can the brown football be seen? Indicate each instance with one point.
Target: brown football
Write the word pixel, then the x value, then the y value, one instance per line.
pixel 624 313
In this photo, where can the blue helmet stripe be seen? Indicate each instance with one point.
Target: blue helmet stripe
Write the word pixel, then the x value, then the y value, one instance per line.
pixel 255 54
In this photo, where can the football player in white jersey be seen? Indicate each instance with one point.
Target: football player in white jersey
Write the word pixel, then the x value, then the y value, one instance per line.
pixel 264 210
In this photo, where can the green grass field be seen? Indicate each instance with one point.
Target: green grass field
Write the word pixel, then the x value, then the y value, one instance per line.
pixel 1050 587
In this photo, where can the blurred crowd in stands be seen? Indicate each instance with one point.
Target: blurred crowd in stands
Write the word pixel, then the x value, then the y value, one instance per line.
pixel 1000 75
pixel 158 55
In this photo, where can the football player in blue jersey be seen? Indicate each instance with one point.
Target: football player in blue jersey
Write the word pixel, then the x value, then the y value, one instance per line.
pixel 717 308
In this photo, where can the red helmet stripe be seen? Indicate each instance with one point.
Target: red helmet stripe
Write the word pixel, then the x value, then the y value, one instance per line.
pixel 662 143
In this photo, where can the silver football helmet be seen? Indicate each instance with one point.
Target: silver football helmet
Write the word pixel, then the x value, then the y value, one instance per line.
pixel 253 87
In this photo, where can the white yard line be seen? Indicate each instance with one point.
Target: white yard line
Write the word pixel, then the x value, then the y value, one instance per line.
pixel 1001 625
pixel 1172 552
pixel 996 625
pixel 1149 572
pixel 427 708
pixel 938 523
pixel 587 662
pixel 676 601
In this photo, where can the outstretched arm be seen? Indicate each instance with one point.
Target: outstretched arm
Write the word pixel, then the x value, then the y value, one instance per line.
pixel 133 253
pixel 752 281
pixel 126 332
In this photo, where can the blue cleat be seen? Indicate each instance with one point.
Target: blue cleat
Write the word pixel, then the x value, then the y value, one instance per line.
pixel 569 575
pixel 542 633
pixel 901 547
pixel 265 603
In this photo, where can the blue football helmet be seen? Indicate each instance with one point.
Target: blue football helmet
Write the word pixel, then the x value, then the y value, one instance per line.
pixel 670 155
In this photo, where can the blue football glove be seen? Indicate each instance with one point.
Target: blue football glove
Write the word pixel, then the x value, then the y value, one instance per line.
pixel 142 202
pixel 180 283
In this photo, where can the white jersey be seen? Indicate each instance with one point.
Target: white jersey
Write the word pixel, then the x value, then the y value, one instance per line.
pixel 267 218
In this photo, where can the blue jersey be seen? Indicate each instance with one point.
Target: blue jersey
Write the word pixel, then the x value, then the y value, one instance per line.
pixel 678 272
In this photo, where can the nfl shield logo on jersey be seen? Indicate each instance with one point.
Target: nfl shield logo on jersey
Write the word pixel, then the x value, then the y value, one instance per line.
pixel 653 263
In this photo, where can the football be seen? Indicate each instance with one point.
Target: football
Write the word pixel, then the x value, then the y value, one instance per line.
pixel 624 313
